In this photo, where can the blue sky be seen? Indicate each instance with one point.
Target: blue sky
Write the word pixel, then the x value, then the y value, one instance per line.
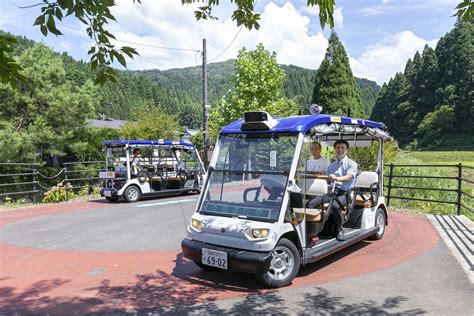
pixel 379 35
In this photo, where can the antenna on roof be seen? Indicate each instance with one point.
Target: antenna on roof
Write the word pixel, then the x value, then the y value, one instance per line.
pixel 315 109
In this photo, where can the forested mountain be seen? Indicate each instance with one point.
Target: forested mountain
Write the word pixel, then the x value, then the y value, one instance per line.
pixel 430 105
pixel 179 91
pixel 298 84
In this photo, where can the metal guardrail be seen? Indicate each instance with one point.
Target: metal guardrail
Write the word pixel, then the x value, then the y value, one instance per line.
pixel 30 181
pixel 459 179
pixel 29 184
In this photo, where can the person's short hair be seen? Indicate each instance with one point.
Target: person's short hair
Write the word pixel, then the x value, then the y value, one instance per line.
pixel 136 151
pixel 316 143
pixel 341 141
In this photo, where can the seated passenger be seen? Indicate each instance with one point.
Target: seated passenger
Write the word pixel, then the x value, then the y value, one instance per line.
pixel 318 163
pixel 135 163
pixel 342 170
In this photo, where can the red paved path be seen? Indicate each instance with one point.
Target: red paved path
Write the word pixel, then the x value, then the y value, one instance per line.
pixel 61 281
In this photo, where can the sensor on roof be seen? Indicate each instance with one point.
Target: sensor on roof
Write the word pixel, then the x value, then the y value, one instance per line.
pixel 315 109
pixel 260 120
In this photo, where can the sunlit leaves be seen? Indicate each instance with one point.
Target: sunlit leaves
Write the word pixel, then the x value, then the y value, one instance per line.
pixel 10 70
pixel 465 10
pixel 95 14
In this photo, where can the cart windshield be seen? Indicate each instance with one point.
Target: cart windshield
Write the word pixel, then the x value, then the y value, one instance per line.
pixel 115 158
pixel 250 176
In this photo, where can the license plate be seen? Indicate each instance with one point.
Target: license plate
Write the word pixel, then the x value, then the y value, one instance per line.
pixel 107 175
pixel 107 193
pixel 214 258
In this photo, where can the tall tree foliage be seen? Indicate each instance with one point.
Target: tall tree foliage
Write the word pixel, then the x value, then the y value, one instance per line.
pixel 335 87
pixel 151 123
pixel 257 86
pixel 46 111
pixel 435 92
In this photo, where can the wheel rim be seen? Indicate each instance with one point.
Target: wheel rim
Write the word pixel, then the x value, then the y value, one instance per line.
pixel 132 194
pixel 282 263
pixel 380 223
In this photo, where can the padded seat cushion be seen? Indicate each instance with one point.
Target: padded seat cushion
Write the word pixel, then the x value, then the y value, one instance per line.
pixel 361 202
pixel 312 214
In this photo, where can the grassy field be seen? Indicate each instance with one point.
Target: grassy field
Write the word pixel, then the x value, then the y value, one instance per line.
pixel 442 157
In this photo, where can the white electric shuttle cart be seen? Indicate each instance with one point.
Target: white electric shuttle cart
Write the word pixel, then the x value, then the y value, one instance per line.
pixel 252 215
pixel 164 167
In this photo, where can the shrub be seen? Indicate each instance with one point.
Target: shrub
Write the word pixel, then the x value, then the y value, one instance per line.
pixel 58 193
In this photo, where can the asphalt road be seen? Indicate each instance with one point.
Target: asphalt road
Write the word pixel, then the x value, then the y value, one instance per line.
pixel 101 257
pixel 153 224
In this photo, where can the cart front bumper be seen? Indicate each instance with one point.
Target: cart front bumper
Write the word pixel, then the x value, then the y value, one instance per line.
pixel 238 260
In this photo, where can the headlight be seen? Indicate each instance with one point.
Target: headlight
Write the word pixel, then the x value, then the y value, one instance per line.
pixel 197 225
pixel 258 233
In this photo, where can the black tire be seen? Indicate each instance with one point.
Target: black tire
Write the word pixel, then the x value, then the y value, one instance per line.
pixel 381 222
pixel 205 266
pixel 280 274
pixel 112 199
pixel 131 194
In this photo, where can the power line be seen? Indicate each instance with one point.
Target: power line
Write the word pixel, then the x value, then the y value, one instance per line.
pixel 235 37
pixel 118 40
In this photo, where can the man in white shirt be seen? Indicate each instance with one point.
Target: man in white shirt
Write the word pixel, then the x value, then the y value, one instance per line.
pixel 318 163
pixel 343 171
pixel 135 163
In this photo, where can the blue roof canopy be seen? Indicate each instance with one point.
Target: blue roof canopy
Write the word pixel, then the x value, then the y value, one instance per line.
pixel 301 123
pixel 146 142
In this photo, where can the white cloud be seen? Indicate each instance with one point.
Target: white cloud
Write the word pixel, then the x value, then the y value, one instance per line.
pixel 282 29
pixel 338 18
pixel 382 60
pixel 311 10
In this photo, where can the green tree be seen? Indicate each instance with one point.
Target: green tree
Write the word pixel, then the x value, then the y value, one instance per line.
pixel 47 112
pixel 455 53
pixel 257 86
pixel 412 104
pixel 434 125
pixel 335 87
pixel 151 123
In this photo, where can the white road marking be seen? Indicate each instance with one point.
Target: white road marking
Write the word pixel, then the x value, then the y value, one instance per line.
pixel 165 203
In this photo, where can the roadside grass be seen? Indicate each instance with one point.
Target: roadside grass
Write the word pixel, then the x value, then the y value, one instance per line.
pixel 432 158
pixel 23 203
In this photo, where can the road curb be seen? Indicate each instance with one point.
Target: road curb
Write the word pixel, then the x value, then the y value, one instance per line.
pixel 457 233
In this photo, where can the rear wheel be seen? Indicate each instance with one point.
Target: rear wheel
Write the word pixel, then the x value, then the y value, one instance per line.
pixel 380 222
pixel 131 194
pixel 205 266
pixel 284 265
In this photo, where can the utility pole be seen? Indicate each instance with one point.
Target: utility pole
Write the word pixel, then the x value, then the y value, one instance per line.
pixel 205 105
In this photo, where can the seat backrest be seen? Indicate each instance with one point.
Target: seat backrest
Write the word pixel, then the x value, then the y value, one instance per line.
pixel 366 178
pixel 316 187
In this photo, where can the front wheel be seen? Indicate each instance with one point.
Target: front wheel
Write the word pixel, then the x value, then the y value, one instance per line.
pixel 380 222
pixel 131 194
pixel 284 265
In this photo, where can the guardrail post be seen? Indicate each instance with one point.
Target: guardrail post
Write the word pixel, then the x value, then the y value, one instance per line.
pixel 34 183
pixel 459 188
pixel 389 184
pixel 65 182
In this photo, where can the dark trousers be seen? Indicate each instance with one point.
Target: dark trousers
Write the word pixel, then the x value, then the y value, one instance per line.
pixel 335 207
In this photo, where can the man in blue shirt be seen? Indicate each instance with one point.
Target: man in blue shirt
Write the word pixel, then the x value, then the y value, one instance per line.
pixel 343 171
